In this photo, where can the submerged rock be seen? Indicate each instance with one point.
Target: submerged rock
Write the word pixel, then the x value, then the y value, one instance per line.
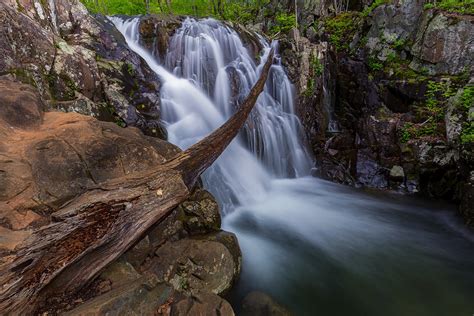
pixel 204 304
pixel 261 304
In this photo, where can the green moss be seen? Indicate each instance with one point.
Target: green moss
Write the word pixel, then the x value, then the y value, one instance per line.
pixel 467 97
pixel 374 5
pixel 61 86
pixel 316 67
pixel 399 44
pixel 310 87
pixel 284 22
pixel 22 75
pixel 20 7
pixel 374 64
pixel 129 69
pixel 456 6
pixel 466 103
pixel 430 113
pixel 411 130
pixel 342 28
pixel 467 133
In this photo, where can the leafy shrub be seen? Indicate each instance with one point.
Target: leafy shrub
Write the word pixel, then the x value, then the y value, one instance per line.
pixel 342 28
pixel 284 22
pixel 467 97
pixel 467 134
pixel 374 64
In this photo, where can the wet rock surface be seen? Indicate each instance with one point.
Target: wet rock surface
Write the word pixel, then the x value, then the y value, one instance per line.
pixel 48 159
pixel 261 304
pixel 389 98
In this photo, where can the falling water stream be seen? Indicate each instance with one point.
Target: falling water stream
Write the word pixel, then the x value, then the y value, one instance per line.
pixel 317 247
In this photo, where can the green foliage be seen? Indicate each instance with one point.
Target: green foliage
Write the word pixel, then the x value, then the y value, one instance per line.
pixel 374 5
pixel 406 132
pixel 411 131
pixel 428 6
pixel 317 67
pixel 457 6
pixel 111 7
pixel 310 87
pixel 342 28
pixel 467 97
pixel 399 44
pixel 467 134
pixel 436 94
pixel 284 22
pixel 374 64
pixel 391 57
pixel 241 11
pixel 431 113
pixel 467 102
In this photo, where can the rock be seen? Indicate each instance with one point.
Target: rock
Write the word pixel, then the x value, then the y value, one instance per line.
pixel 466 207
pixel 439 42
pixel 202 304
pixel 194 265
pixel 170 229
pixel 78 63
pixel 397 173
pixel 453 118
pixel 138 253
pixel 200 213
pixel 20 104
pixel 261 304
pixel 392 22
pixel 27 49
pixel 232 244
pixel 142 297
pixel 47 159
pixel 119 273
pixel 156 31
pixel 249 37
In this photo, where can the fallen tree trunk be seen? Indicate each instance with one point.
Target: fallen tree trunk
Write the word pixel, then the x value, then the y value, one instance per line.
pixel 98 226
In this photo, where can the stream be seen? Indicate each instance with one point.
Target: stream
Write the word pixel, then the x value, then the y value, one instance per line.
pixel 317 247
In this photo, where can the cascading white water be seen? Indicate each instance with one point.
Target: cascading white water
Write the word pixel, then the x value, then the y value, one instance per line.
pixel 315 246
pixel 204 59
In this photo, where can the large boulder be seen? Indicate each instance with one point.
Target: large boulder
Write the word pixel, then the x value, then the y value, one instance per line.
pixel 142 297
pixel 196 265
pixel 26 48
pixel 202 304
pixel 444 44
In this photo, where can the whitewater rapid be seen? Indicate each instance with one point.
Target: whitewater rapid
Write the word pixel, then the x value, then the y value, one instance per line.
pixel 317 247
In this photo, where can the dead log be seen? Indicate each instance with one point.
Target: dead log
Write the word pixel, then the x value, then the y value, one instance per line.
pixel 98 226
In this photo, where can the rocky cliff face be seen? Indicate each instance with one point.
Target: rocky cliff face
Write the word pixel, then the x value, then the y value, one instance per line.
pixel 78 63
pixel 386 98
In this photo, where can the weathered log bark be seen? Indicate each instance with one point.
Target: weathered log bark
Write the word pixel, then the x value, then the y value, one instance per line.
pixel 97 227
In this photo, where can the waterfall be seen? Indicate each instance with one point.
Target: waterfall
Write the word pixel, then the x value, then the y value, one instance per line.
pixel 306 242
pixel 206 73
